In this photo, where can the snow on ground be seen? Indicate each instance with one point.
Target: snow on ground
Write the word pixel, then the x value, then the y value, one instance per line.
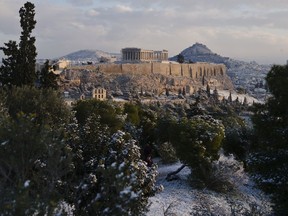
pixel 225 94
pixel 179 198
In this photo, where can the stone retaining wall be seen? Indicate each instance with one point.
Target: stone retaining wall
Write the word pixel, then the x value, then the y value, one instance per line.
pixel 194 70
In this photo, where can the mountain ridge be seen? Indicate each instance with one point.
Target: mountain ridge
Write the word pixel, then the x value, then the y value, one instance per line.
pixel 84 55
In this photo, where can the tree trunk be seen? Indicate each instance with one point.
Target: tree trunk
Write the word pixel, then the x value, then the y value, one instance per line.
pixel 172 176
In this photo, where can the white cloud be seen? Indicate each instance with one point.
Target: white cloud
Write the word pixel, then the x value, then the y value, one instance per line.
pixel 123 8
pixel 243 29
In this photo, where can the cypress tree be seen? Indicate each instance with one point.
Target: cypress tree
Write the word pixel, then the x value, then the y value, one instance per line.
pixel 27 49
pixel 19 66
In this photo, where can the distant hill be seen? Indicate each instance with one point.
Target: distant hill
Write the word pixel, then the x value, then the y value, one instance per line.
pixel 88 55
pixel 249 76
pixel 201 53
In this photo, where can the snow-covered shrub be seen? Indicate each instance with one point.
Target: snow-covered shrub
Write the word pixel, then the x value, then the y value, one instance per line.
pixel 33 160
pixel 228 174
pixel 127 181
pixel 111 177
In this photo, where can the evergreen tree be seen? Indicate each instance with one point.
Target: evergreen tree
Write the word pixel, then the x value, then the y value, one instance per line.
pixel 180 58
pixel 8 68
pixel 245 102
pixel 109 112
pixel 216 95
pixel 19 66
pixel 111 178
pixel 183 91
pixel 45 104
pixel 34 158
pixel 270 148
pixel 167 92
pixel 230 97
pixel 27 50
pixel 237 100
pixel 132 112
pixel 197 143
pixel 47 79
pixel 208 90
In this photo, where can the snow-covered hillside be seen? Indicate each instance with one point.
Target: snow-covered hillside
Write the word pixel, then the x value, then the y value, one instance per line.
pixel 93 56
pixel 179 198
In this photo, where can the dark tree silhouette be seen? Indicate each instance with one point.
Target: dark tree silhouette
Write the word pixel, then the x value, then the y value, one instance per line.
pixel 180 58
pixel 19 66
pixel 47 78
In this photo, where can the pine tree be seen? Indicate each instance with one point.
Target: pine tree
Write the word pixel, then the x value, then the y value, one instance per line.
pixel 19 66
pixel 197 143
pixel 270 154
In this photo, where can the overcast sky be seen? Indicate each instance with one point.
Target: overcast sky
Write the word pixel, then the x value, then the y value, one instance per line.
pixel 246 30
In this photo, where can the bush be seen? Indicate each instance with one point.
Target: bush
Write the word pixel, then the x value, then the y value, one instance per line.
pixel 228 174
pixel 33 160
pixel 111 178
pixel 197 143
pixel 167 152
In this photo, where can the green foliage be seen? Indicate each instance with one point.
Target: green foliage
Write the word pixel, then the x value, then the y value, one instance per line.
pixel 109 112
pixel 8 73
pixel 167 152
pixel 111 177
pixel 237 142
pixel 148 119
pixel 197 142
pixel 47 79
pixel 269 157
pixel 45 104
pixel 27 50
pixel 33 160
pixel 19 66
pixel 132 112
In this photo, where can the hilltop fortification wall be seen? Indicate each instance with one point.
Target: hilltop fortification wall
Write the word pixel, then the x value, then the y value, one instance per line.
pixel 154 78
pixel 194 70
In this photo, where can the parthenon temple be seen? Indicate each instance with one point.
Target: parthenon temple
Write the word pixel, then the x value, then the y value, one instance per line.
pixel 142 55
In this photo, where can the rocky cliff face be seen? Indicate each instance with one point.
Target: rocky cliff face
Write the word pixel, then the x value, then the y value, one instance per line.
pixel 131 85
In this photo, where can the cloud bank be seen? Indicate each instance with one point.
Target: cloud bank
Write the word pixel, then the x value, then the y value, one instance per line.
pixel 246 30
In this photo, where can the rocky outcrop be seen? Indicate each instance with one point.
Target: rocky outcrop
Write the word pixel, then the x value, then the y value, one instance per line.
pixel 132 83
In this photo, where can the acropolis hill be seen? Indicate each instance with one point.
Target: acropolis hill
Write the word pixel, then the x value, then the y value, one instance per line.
pixel 146 70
